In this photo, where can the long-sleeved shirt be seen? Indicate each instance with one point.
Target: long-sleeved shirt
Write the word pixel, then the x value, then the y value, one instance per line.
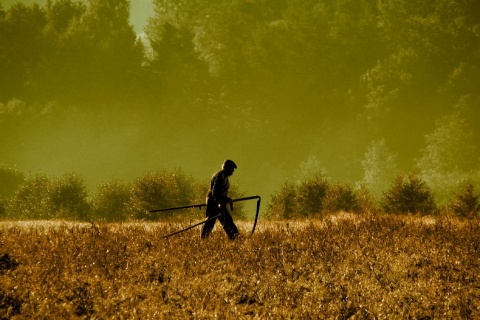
pixel 219 186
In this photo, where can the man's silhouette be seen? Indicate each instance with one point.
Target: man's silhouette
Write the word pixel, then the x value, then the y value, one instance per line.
pixel 217 200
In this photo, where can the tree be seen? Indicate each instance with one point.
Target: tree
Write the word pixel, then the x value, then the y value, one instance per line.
pixel 41 197
pixel 410 195
pixel 428 60
pixel 68 197
pixel 10 179
pixel 21 48
pixel 283 202
pixel 32 199
pixel 161 190
pixel 108 24
pixel 450 155
pixel 466 202
pixel 112 201
pixel 57 71
pixel 176 72
pixel 341 198
pixel 379 167
pixel 62 14
pixel 310 195
pixel 68 51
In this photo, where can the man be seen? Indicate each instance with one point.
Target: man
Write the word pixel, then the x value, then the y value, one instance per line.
pixel 217 200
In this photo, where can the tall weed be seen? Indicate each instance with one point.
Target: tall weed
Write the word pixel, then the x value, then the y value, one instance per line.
pixel 341 266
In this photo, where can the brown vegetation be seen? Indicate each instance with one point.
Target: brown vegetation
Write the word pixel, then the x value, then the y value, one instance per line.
pixel 384 266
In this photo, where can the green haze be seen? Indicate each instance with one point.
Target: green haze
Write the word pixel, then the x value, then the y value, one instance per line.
pixel 284 88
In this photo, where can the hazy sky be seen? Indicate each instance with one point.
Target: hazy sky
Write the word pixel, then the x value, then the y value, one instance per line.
pixel 139 12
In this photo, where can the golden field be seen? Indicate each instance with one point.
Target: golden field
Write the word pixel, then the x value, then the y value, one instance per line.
pixel 339 267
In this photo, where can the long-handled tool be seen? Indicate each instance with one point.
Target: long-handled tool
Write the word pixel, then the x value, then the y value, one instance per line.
pixel 259 199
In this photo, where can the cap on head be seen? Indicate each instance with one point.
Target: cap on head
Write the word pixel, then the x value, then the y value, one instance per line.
pixel 229 164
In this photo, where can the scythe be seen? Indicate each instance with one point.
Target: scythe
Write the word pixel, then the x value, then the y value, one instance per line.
pixel 199 206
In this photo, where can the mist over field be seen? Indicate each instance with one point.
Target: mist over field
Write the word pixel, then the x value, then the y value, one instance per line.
pixel 357 90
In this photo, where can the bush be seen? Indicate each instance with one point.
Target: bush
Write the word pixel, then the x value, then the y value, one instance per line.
pixel 283 202
pixel 310 195
pixel 32 199
pixel 112 201
pixel 40 197
pixel 466 203
pixel 341 198
pixel 68 196
pixel 316 196
pixel 367 202
pixel 409 196
pixel 161 190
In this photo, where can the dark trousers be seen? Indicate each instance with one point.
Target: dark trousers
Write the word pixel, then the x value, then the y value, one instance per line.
pixel 225 219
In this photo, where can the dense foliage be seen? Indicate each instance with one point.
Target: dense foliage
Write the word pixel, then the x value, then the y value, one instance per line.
pixel 339 267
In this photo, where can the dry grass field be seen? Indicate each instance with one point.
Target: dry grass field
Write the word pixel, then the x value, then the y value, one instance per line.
pixel 343 266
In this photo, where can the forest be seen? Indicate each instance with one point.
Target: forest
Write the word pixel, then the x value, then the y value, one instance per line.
pixel 358 91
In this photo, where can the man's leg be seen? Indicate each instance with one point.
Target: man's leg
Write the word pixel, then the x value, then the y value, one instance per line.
pixel 228 225
pixel 207 228
pixel 212 211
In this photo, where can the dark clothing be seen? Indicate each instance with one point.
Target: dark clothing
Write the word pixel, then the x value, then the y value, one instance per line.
pixel 219 186
pixel 225 219
pixel 217 200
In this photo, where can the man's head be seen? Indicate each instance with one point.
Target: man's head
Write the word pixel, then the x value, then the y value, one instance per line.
pixel 229 166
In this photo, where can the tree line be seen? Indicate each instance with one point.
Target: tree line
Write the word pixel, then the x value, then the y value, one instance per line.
pixel 40 197
pixel 380 54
